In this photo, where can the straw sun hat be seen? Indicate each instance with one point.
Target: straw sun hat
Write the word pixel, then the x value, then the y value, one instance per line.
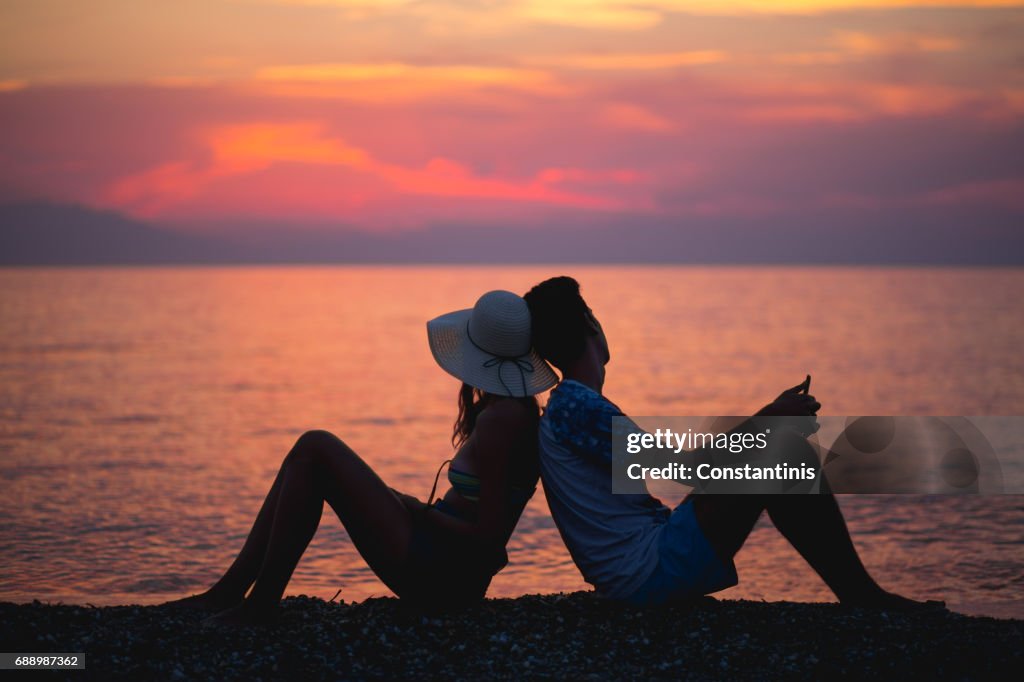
pixel 488 346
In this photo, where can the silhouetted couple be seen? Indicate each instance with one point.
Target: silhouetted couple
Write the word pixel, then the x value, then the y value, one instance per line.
pixel 444 552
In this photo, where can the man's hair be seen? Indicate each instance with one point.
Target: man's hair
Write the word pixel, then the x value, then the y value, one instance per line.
pixel 559 320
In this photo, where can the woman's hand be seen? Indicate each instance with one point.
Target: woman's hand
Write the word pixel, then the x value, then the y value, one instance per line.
pixel 411 503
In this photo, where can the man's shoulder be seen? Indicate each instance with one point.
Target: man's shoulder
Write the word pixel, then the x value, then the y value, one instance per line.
pixel 576 412
pixel 568 398
pixel 572 391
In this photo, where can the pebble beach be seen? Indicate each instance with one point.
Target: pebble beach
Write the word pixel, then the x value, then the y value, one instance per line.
pixel 575 636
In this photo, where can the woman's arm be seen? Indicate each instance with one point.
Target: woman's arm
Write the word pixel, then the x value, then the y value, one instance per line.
pixel 416 507
pixel 497 428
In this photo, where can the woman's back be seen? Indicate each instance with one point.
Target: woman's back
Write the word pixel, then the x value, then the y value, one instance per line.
pixel 498 458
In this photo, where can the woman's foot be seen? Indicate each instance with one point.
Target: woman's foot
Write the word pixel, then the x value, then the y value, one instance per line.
pixel 206 602
pixel 243 615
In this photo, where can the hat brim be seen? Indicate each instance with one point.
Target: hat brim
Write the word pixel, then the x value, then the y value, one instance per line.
pixel 449 342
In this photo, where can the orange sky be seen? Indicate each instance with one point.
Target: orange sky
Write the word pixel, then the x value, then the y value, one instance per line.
pixel 404 114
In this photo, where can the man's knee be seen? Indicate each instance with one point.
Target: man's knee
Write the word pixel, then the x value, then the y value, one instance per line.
pixel 742 507
pixel 728 515
pixel 789 446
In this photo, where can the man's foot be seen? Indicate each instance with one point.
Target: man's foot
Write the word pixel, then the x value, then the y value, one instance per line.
pixel 890 601
pixel 206 602
pixel 244 614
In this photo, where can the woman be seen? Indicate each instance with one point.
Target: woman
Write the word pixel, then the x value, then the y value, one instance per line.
pixel 437 554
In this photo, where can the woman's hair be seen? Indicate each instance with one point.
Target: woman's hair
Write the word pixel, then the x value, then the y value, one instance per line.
pixel 560 323
pixel 472 402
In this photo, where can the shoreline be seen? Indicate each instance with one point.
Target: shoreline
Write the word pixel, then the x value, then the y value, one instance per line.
pixel 572 635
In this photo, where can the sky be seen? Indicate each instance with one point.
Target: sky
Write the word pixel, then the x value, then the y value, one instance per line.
pixel 791 118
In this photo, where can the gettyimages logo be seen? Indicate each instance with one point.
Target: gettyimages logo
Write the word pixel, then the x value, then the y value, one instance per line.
pixel 799 455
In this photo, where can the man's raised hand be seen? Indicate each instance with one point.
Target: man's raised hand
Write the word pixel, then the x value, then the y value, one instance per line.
pixel 795 402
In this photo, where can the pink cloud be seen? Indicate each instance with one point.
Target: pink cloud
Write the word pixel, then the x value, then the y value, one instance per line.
pixel 629 116
pixel 1008 193
pixel 252 150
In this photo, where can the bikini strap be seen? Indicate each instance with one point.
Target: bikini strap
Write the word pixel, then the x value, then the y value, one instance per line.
pixel 430 500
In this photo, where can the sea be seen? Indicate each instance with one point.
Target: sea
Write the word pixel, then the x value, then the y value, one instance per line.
pixel 144 411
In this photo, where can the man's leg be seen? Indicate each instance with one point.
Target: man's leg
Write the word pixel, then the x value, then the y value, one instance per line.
pixel 813 524
pixel 727 520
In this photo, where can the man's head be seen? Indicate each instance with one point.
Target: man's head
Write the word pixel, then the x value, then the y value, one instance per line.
pixel 564 328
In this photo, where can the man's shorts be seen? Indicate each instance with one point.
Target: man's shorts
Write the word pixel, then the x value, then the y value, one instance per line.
pixel 687 564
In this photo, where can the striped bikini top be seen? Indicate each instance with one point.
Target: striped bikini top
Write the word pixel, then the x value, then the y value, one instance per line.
pixel 468 486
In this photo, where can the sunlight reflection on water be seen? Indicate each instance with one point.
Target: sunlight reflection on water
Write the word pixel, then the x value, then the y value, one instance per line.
pixel 144 412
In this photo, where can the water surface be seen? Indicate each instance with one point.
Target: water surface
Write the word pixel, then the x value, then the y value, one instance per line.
pixel 144 411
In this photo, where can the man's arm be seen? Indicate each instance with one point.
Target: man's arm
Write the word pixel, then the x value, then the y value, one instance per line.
pixel 586 423
pixel 796 403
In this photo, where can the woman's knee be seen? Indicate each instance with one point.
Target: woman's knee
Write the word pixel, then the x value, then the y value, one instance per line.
pixel 313 446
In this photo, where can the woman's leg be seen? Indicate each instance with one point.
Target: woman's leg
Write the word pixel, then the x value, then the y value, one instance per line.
pixel 239 577
pixel 235 582
pixel 322 468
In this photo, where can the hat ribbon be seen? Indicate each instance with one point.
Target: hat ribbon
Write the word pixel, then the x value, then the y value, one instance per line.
pixel 496 360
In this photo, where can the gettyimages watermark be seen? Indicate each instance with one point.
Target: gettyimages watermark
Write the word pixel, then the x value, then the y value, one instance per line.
pixel 811 455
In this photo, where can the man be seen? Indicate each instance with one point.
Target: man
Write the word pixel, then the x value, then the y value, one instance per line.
pixel 632 547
